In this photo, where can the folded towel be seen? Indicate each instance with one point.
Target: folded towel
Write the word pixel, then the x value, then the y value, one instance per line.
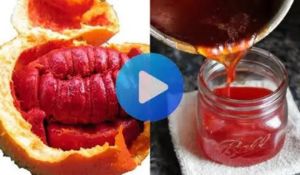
pixel 183 133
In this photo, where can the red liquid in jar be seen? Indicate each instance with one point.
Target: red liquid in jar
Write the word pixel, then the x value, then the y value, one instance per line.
pixel 241 141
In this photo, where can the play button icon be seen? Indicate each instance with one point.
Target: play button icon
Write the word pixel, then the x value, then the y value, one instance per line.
pixel 149 87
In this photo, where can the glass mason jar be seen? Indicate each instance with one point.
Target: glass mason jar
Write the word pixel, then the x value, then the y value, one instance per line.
pixel 248 128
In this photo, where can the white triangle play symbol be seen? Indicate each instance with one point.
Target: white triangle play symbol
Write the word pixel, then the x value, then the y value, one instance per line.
pixel 149 87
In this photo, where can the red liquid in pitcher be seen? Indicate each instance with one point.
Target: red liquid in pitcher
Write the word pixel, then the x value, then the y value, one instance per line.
pixel 241 141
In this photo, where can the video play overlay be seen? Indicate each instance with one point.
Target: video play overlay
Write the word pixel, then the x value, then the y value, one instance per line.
pixel 149 87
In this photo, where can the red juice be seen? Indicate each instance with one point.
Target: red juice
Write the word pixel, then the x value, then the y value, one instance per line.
pixel 241 138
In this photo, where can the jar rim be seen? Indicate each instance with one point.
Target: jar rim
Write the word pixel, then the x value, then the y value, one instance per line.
pixel 270 97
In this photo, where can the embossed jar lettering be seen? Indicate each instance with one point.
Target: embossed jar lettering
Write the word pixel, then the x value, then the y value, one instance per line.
pixel 238 148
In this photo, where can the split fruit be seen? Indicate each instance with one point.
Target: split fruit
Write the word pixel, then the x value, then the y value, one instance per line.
pixel 59 113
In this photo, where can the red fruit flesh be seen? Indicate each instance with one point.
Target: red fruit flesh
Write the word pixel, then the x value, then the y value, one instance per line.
pixel 36 118
pixel 131 129
pixel 99 20
pixel 27 82
pixel 72 90
pixel 75 7
pixel 63 81
pixel 59 15
pixel 69 137
pixel 134 52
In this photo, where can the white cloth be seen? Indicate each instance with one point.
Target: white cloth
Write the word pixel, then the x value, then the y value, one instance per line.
pixel 182 129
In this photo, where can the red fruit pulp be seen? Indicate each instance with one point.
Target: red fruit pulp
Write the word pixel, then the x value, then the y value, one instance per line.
pixel 68 96
pixel 70 7
pixel 68 137
pixel 241 141
pixel 74 85
pixel 59 15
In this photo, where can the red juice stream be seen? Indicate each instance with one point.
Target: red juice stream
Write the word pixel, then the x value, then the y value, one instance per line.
pixel 229 55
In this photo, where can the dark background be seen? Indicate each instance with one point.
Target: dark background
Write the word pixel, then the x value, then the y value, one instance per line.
pixel 284 42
